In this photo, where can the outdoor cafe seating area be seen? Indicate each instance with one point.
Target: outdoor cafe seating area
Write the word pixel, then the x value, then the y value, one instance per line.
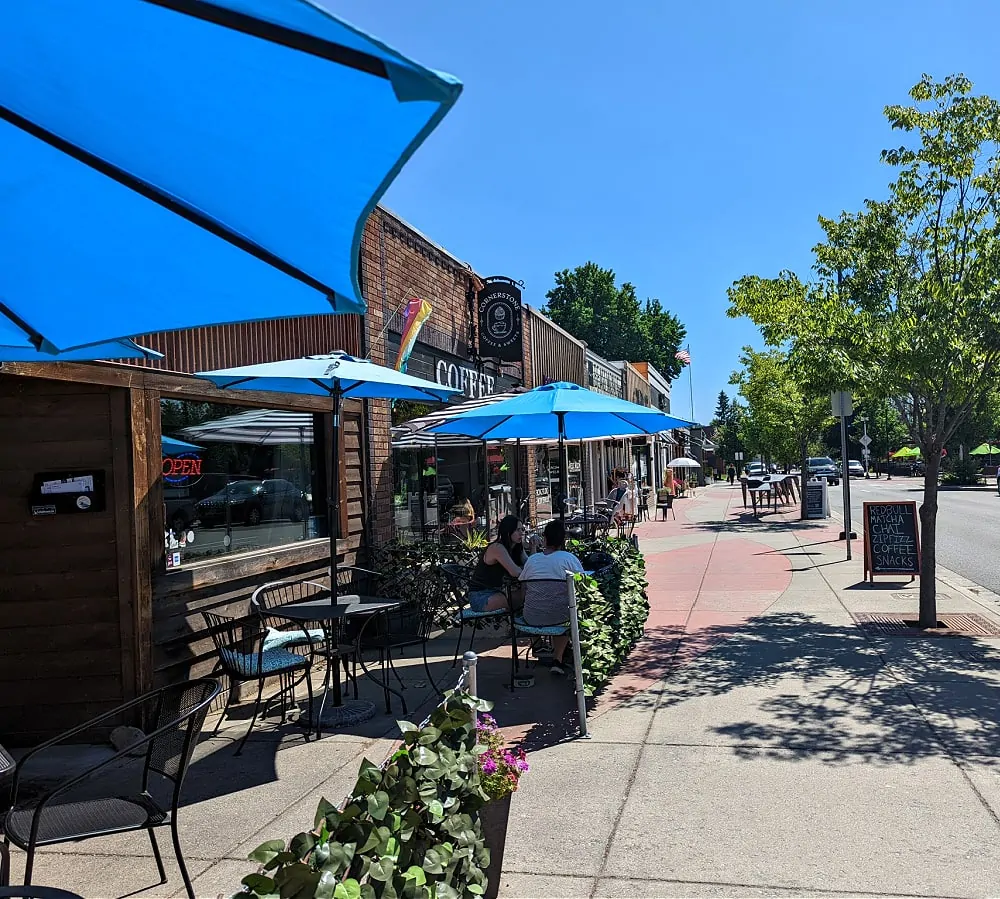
pixel 256 754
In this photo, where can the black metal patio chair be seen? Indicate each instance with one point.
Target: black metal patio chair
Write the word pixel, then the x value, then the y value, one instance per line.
pixel 285 634
pixel 457 578
pixel 172 718
pixel 243 659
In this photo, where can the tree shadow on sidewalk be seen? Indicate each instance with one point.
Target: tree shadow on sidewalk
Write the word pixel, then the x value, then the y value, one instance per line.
pixel 828 692
pixel 794 687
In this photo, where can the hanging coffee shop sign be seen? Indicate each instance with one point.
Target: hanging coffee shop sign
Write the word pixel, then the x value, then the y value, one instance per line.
pixel 500 320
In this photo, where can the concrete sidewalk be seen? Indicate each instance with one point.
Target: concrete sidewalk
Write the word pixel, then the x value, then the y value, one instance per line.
pixel 760 743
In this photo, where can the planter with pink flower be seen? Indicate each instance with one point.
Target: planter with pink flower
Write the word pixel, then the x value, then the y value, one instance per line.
pixel 500 770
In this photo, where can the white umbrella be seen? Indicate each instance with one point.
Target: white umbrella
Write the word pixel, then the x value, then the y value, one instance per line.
pixel 683 462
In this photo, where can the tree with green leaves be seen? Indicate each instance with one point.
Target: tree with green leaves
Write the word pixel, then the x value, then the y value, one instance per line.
pixel 588 303
pixel 783 421
pixel 905 301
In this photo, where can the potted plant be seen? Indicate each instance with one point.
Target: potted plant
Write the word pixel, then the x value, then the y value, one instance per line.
pixel 500 769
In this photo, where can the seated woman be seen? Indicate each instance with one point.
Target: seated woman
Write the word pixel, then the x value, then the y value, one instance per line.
pixel 504 556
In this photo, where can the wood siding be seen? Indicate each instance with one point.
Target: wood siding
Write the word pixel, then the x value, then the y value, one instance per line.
pixel 249 343
pixel 555 355
pixel 66 601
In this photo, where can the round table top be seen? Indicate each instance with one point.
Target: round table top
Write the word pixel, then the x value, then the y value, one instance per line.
pixel 321 608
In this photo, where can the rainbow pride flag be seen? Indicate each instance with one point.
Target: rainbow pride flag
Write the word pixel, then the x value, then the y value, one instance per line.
pixel 417 312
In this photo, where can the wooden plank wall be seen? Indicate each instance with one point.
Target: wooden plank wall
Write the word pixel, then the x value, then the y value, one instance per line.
pixel 62 654
pixel 555 355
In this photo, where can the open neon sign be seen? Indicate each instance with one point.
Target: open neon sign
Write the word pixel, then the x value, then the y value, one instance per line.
pixel 181 469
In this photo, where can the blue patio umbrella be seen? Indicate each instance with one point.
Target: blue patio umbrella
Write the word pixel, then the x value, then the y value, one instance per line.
pixel 560 411
pixel 170 446
pixel 175 163
pixel 112 349
pixel 338 376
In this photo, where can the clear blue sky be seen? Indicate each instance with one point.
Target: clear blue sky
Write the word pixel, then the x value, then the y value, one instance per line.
pixel 682 145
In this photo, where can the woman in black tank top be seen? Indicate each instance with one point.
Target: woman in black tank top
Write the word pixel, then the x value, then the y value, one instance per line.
pixel 505 556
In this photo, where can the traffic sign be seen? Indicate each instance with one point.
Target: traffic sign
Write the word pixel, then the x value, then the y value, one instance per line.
pixel 865 441
pixel 841 403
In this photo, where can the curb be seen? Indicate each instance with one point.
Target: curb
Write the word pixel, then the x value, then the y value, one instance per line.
pixel 977 593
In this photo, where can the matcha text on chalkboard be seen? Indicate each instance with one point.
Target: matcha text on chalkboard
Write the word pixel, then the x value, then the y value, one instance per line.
pixel 892 544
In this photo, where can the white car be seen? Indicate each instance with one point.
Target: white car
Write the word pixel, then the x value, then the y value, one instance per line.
pixel 756 470
pixel 855 469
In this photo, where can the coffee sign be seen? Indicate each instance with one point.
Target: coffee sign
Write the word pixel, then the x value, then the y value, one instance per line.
pixel 500 320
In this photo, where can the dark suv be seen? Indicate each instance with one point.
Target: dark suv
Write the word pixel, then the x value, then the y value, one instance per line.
pixel 251 502
pixel 824 467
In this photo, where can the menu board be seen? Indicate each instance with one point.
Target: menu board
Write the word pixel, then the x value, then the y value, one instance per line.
pixel 815 499
pixel 892 543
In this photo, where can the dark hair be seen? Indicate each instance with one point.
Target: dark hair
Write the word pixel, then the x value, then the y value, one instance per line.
pixel 509 524
pixel 555 534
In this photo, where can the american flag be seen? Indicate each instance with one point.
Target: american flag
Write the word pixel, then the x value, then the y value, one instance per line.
pixel 684 356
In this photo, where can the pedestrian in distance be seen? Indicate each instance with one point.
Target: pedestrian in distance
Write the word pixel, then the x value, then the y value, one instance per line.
pixel 731 474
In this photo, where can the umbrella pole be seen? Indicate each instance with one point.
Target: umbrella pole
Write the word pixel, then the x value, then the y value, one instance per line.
pixel 333 491
pixel 583 486
pixel 517 477
pixel 563 473
pixel 486 485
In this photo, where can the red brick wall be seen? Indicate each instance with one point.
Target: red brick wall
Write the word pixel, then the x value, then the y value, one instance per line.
pixel 398 263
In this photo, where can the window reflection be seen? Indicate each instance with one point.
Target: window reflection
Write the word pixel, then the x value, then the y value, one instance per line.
pixel 237 480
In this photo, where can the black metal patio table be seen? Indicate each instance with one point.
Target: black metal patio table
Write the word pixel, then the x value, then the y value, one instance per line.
pixel 320 610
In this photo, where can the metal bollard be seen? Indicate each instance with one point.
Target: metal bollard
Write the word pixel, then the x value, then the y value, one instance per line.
pixel 574 632
pixel 469 662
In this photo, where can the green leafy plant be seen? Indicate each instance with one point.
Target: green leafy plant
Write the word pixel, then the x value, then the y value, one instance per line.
pixel 410 829
pixel 613 608
pixel 474 541
pixel 963 472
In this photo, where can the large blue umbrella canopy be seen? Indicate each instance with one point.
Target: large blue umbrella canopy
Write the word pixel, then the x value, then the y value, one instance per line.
pixel 113 349
pixel 338 376
pixel 560 410
pixel 334 375
pixel 175 163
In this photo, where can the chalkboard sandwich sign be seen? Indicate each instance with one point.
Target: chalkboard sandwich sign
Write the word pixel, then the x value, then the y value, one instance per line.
pixel 892 540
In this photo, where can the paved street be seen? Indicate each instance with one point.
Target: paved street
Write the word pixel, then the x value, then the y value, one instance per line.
pixel 968 523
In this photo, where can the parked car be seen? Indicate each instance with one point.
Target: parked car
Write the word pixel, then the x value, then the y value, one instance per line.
pixel 824 467
pixel 251 502
pixel 756 470
pixel 855 468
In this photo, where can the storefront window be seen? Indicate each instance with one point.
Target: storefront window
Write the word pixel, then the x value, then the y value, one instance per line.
pixel 237 480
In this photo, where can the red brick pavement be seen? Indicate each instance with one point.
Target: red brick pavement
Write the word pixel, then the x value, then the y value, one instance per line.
pixel 719 583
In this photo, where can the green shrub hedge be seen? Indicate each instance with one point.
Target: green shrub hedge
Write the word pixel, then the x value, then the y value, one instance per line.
pixel 613 608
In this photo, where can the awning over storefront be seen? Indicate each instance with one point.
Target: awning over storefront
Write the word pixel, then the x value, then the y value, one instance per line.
pixel 415 432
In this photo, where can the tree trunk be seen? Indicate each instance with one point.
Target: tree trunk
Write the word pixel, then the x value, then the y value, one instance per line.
pixel 928 535
pixel 803 476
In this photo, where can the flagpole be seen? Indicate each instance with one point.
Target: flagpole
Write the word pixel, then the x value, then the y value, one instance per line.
pixel 690 381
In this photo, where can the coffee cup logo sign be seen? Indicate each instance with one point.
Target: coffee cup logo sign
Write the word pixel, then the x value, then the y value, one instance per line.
pixel 500 320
